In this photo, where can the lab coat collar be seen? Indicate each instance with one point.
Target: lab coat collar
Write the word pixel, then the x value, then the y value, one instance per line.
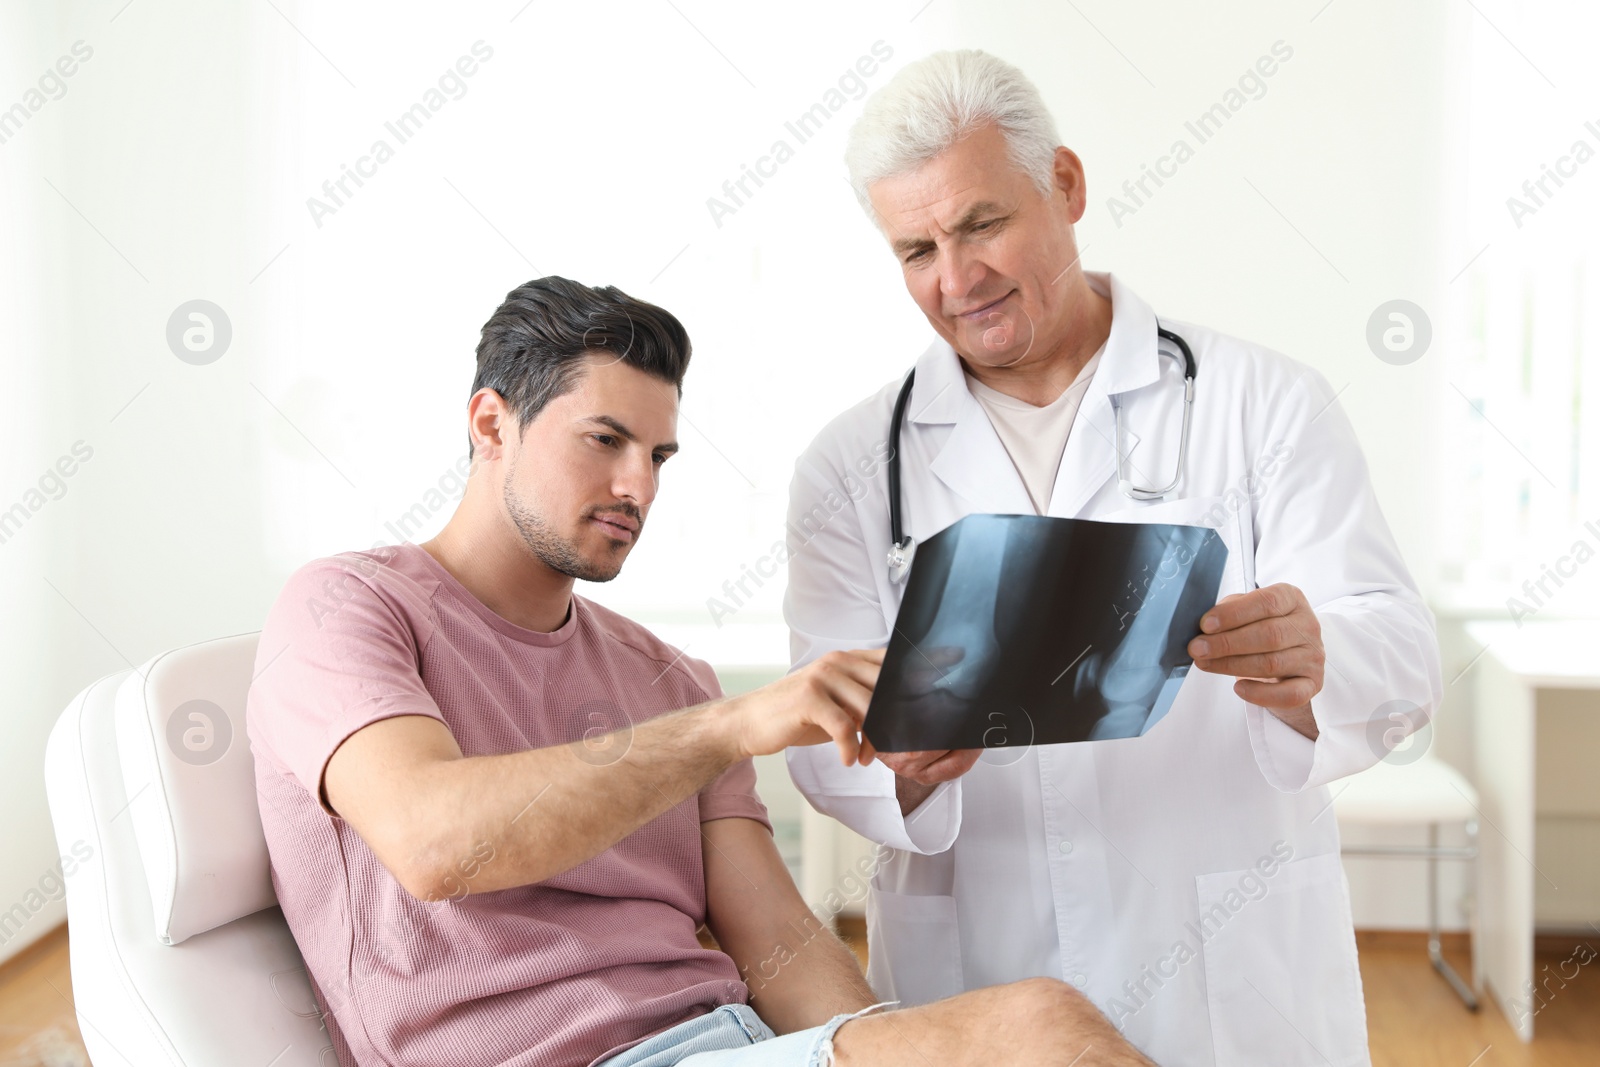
pixel 1131 360
pixel 974 463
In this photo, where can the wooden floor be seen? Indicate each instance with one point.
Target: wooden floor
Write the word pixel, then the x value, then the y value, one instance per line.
pixel 37 1025
pixel 1413 1019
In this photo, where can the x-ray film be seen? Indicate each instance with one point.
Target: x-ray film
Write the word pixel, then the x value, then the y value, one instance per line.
pixel 1037 630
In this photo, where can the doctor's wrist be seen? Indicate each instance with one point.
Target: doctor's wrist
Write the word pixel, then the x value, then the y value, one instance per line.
pixel 1299 719
pixel 910 793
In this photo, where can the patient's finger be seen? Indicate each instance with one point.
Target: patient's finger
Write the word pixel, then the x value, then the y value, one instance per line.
pixel 842 729
pixel 863 665
pixel 849 693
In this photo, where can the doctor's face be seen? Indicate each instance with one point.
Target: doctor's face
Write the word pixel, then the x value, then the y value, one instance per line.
pixel 988 259
pixel 579 482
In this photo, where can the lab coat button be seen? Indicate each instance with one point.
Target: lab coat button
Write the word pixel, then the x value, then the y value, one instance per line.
pixel 1065 846
pixel 1079 980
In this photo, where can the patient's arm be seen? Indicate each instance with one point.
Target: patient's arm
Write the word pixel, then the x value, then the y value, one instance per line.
pixel 445 824
pixel 800 975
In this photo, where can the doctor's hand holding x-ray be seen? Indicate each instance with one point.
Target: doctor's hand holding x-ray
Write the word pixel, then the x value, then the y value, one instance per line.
pixel 1186 881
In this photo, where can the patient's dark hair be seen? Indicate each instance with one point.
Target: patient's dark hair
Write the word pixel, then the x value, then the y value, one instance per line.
pixel 533 346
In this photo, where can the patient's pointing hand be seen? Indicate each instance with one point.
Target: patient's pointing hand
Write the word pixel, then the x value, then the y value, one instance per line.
pixel 824 700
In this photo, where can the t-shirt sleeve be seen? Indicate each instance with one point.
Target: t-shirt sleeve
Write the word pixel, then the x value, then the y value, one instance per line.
pixel 732 795
pixel 338 652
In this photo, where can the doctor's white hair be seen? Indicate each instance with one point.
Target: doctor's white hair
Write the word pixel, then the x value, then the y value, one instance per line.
pixel 936 101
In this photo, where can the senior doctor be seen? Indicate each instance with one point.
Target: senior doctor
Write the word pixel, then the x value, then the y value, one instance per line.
pixel 1188 880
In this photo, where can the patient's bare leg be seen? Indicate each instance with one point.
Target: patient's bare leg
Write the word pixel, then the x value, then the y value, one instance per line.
pixel 1037 1021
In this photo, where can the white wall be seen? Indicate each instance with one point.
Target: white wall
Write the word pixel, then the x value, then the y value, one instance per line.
pixel 122 198
pixel 179 162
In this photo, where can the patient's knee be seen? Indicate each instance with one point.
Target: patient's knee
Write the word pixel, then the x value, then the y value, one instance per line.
pixel 1044 998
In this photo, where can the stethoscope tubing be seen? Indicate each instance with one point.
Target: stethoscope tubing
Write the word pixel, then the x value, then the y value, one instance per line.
pixel 899 560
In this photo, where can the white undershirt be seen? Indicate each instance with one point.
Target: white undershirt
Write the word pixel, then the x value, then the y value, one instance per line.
pixel 1035 437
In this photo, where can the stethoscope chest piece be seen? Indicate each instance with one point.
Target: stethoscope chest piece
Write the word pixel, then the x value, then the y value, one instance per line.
pixel 900 554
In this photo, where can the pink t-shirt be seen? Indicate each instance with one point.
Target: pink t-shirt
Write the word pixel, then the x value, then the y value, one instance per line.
pixel 562 972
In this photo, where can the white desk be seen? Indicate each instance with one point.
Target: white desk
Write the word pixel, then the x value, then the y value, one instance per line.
pixel 1516 663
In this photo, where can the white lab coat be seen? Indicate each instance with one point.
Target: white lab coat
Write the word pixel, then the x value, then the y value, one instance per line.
pixel 1187 881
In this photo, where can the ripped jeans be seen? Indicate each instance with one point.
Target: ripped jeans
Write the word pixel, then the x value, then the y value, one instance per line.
pixel 733 1035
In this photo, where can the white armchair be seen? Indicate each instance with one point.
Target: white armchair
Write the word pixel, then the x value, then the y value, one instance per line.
pixel 179 953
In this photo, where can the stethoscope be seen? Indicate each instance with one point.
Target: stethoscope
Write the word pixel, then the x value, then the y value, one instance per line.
pixel 901 547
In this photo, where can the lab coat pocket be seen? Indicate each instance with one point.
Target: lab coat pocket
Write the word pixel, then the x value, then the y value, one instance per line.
pixel 1282 985
pixel 914 947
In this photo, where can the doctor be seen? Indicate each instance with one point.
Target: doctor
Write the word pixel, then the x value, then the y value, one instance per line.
pixel 1188 881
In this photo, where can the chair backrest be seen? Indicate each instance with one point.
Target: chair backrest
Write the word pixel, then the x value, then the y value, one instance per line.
pixel 190 780
pixel 179 953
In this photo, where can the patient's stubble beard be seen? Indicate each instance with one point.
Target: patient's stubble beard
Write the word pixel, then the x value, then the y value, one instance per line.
pixel 554 551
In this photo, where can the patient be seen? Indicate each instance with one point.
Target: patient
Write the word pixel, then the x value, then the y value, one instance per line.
pixel 498 812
